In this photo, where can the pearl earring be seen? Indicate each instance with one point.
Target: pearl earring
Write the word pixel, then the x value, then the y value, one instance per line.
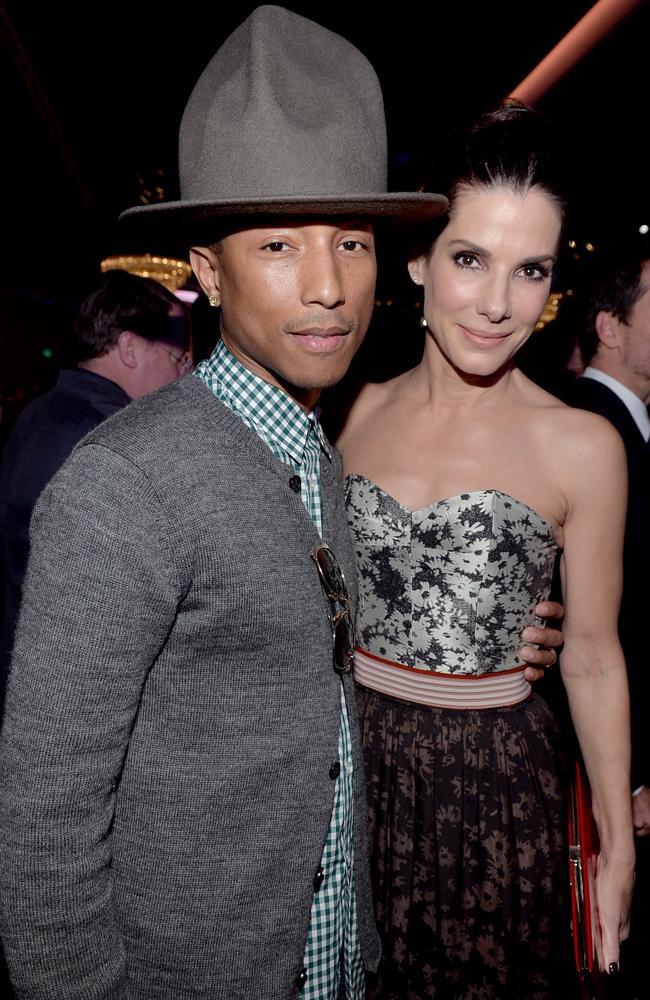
pixel 423 322
pixel 212 299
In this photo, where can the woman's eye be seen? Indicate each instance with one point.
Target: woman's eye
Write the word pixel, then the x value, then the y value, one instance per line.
pixel 535 272
pixel 276 246
pixel 351 245
pixel 465 259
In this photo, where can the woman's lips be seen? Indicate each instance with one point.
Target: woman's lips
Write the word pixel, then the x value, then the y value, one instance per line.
pixel 486 341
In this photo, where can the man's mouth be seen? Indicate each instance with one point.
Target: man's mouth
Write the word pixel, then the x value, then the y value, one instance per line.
pixel 321 340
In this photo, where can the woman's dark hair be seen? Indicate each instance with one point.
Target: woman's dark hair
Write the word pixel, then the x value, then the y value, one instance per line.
pixel 122 301
pixel 511 145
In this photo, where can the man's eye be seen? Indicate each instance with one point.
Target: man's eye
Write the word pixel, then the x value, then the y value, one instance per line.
pixel 351 245
pixel 276 246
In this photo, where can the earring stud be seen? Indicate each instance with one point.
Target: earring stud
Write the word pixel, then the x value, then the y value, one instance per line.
pixel 212 299
pixel 423 322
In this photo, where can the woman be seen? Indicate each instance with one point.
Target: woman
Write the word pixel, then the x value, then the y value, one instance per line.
pixel 464 480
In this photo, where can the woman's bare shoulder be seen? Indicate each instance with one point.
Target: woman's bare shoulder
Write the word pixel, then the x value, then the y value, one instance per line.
pixel 378 393
pixel 579 429
pixel 572 427
pixel 587 451
pixel 370 399
pixel 581 450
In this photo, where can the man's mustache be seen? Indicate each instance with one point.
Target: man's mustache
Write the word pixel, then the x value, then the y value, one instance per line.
pixel 321 321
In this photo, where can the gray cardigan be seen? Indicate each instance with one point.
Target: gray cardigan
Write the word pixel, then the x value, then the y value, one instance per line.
pixel 172 718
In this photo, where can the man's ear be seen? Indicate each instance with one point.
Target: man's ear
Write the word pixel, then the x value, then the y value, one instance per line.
pixel 127 348
pixel 609 331
pixel 205 264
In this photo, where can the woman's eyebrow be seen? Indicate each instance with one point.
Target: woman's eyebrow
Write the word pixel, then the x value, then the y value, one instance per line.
pixel 482 252
pixel 468 245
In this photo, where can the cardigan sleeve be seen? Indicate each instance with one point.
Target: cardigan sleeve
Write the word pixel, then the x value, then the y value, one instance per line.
pixel 100 599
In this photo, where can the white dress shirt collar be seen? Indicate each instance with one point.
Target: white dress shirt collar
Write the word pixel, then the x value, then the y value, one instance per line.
pixel 632 402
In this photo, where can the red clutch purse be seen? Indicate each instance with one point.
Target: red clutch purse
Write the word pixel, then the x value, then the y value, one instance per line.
pixel 584 847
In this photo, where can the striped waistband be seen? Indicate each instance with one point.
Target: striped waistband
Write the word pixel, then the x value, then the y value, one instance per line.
pixel 440 690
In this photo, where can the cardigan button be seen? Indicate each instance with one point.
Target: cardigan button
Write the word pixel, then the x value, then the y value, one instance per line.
pixel 335 770
pixel 301 978
pixel 319 878
pixel 294 484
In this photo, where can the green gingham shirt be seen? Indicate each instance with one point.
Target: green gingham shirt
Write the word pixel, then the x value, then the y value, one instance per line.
pixel 297 439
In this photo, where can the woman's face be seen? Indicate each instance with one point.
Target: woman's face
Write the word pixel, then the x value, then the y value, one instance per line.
pixel 488 277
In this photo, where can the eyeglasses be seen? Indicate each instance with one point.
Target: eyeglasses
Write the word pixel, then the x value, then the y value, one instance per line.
pixel 182 361
pixel 336 591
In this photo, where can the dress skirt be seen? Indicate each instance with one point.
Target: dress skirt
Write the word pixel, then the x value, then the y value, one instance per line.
pixel 469 859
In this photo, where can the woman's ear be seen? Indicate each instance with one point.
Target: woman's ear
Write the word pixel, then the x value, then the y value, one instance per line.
pixel 416 270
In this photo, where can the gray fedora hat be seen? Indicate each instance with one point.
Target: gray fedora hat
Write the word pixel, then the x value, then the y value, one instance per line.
pixel 287 118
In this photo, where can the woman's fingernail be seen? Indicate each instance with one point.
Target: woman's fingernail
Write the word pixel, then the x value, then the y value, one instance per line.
pixel 613 969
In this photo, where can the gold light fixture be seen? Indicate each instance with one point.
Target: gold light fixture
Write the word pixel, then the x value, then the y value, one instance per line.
pixel 169 271
pixel 551 310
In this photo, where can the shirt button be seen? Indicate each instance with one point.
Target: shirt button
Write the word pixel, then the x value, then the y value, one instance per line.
pixel 335 770
pixel 318 878
pixel 294 484
pixel 301 978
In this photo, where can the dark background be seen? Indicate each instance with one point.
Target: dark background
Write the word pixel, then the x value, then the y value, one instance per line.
pixel 93 97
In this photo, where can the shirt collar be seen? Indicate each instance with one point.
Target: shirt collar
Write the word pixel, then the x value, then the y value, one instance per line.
pixel 83 381
pixel 635 406
pixel 271 409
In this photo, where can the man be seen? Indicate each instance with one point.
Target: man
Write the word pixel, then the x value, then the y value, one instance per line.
pixel 615 344
pixel 205 833
pixel 131 337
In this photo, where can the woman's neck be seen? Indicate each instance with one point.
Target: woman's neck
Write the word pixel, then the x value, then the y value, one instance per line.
pixel 437 383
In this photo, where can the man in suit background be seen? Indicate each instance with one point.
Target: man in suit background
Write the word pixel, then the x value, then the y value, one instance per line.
pixel 615 344
pixel 131 337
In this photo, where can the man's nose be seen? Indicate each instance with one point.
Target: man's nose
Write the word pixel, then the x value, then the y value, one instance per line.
pixel 322 279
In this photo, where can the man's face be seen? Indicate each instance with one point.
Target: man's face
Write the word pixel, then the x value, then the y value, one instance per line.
pixel 162 361
pixel 636 340
pixel 296 299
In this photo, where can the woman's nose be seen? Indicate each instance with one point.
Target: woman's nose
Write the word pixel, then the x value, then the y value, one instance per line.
pixel 494 302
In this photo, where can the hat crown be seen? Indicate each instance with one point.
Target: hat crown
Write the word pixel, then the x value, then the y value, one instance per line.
pixel 286 108
pixel 286 119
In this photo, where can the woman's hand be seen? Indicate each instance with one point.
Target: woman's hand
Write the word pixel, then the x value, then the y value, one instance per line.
pixel 614 884
pixel 641 812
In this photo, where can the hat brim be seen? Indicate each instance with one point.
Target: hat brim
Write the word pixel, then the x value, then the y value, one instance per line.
pixel 411 208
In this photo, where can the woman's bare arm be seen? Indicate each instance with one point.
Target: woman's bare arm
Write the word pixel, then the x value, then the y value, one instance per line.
pixel 593 668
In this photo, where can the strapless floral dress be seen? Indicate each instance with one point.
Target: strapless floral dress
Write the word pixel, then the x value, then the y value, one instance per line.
pixel 465 803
